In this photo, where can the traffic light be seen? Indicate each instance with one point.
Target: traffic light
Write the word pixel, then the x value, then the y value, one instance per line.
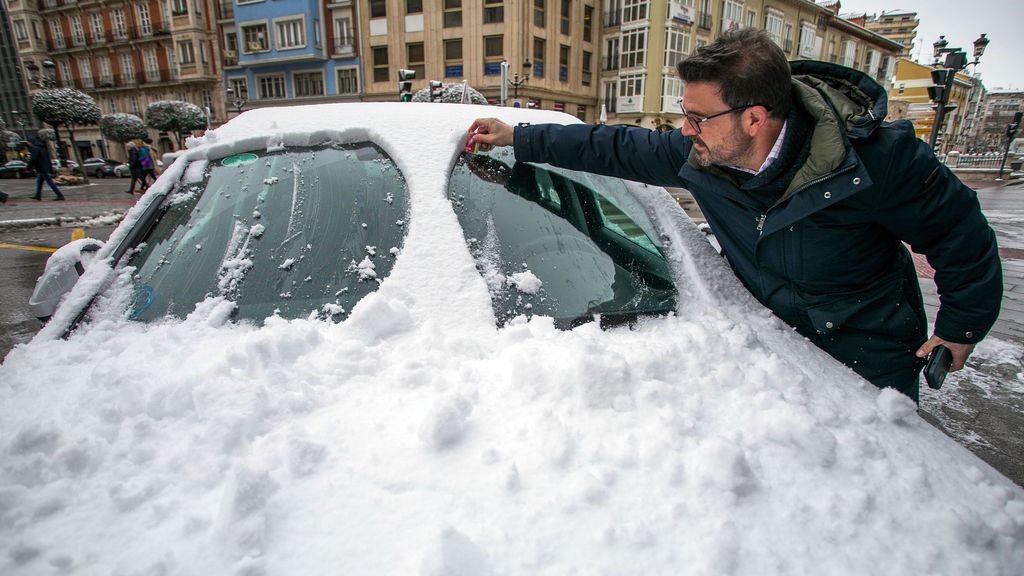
pixel 435 90
pixel 940 79
pixel 405 78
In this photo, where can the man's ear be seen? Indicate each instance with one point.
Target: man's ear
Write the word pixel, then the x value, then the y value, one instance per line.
pixel 754 119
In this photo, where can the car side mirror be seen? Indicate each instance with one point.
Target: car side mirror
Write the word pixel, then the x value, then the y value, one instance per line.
pixel 62 271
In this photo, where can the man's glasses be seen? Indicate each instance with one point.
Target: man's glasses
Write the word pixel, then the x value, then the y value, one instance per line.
pixel 695 120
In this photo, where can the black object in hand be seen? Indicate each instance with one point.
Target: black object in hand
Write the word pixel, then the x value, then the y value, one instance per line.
pixel 938 365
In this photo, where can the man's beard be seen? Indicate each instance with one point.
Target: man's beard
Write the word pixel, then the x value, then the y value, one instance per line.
pixel 732 152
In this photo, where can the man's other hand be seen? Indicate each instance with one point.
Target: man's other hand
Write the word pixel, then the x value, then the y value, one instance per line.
pixel 960 351
pixel 489 132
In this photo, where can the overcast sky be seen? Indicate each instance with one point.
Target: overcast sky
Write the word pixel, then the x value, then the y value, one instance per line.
pixel 962 21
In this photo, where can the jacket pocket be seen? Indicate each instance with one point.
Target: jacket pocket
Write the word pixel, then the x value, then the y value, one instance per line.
pixel 883 309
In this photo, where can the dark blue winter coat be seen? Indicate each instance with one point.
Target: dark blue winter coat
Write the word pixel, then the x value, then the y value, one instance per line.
pixel 828 256
pixel 39 158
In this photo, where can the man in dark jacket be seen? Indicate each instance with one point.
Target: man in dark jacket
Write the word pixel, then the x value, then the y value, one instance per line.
pixel 811 196
pixel 39 159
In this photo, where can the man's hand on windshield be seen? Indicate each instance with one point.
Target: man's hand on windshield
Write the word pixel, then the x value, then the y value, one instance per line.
pixel 489 132
pixel 960 351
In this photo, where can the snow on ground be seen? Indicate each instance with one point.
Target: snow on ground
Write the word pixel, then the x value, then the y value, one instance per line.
pixel 415 438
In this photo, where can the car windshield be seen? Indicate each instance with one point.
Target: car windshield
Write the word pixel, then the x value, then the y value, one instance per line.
pixel 559 243
pixel 294 232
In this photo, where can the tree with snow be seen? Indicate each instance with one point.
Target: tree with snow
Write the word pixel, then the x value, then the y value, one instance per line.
pixel 67 106
pixel 175 116
pixel 121 127
pixel 452 94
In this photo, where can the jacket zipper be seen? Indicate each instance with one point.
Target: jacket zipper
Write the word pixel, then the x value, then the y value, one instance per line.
pixel 764 215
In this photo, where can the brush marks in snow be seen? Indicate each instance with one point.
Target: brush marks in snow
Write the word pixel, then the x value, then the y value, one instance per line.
pixel 454 554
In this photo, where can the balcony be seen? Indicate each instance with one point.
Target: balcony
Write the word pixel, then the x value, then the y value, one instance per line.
pixel 344 46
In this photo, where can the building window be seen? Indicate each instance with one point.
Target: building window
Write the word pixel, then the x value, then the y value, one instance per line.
pixel 240 86
pixel 634 10
pixel 732 15
pixel 587 73
pixel 539 45
pixel 611 95
pixel 452 13
pixel 77 32
pixel 152 67
pixel 179 7
pixel 631 86
pixel 378 9
pixel 20 30
pixel 563 24
pixel 231 43
pixel 145 25
pixel 751 18
pixel 85 72
pixel 849 53
pixel 106 75
pixel 634 48
pixel 343 33
pixel 494 46
pixel 611 51
pixel 348 81
pixel 453 58
pixel 588 23
pixel 307 84
pixel 57 33
pixel 290 33
pixel 787 38
pixel 773 25
pixel 563 63
pixel 112 105
pixel 672 91
pixel 65 74
pixel 255 37
pixel 538 13
pixel 186 52
pixel 268 87
pixel 494 11
pixel 134 104
pixel 96 23
pixel 807 37
pixel 120 30
pixel 415 59
pixel 677 46
pixel 380 63
pixel 413 6
pixel 127 68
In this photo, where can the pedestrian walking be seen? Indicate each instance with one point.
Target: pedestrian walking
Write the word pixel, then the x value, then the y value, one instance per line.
pixel 135 166
pixel 811 196
pixel 147 160
pixel 41 161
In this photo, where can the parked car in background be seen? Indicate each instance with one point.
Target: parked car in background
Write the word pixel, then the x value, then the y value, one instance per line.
pixel 330 341
pixel 100 167
pixel 70 165
pixel 16 169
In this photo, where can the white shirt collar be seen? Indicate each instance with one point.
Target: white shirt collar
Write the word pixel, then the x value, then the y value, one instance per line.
pixel 773 155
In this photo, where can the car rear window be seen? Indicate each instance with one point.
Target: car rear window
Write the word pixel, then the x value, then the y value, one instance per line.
pixel 559 243
pixel 296 232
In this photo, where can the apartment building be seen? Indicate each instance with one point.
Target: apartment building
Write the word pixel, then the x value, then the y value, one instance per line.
pixel 898 25
pixel 644 39
pixel 125 55
pixel 290 51
pixel 551 47
pixel 999 108
pixel 911 85
pixel 15 109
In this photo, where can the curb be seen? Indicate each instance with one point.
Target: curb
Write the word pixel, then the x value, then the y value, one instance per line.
pixel 53 222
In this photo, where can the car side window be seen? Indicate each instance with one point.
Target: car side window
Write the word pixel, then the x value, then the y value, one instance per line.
pixel 294 232
pixel 558 243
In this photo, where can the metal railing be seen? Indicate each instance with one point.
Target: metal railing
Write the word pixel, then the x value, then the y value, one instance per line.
pixel 993 160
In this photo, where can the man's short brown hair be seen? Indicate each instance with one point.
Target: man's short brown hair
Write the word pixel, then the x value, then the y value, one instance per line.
pixel 749 68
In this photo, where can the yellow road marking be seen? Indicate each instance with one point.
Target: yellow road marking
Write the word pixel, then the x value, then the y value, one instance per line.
pixel 77 234
pixel 29 248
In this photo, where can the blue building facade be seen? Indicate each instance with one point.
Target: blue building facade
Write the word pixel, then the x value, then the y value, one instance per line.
pixel 292 51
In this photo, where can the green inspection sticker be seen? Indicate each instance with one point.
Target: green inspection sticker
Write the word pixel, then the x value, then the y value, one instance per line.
pixel 239 160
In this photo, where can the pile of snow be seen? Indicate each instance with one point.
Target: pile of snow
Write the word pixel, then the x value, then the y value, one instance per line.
pixel 416 438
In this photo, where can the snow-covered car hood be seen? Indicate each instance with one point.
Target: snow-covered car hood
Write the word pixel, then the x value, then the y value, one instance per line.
pixel 417 438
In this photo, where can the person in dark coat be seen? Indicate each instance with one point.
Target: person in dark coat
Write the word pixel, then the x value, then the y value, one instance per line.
pixel 135 167
pixel 39 159
pixel 812 197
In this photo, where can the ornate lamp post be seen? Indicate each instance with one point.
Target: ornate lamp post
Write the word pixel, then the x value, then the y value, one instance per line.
pixel 944 76
pixel 236 101
pixel 516 81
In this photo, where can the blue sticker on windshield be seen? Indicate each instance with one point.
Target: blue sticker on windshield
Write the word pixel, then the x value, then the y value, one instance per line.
pixel 143 299
pixel 239 159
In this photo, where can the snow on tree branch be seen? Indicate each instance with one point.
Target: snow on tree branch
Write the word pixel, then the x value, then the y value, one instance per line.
pixel 175 116
pixel 65 106
pixel 121 127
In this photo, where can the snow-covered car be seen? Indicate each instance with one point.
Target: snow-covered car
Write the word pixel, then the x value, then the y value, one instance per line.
pixel 328 341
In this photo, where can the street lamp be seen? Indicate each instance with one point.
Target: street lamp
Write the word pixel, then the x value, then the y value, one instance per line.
pixel 515 81
pixel 236 101
pixel 943 77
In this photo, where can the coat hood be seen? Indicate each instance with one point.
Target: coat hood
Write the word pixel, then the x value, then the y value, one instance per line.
pixel 859 102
